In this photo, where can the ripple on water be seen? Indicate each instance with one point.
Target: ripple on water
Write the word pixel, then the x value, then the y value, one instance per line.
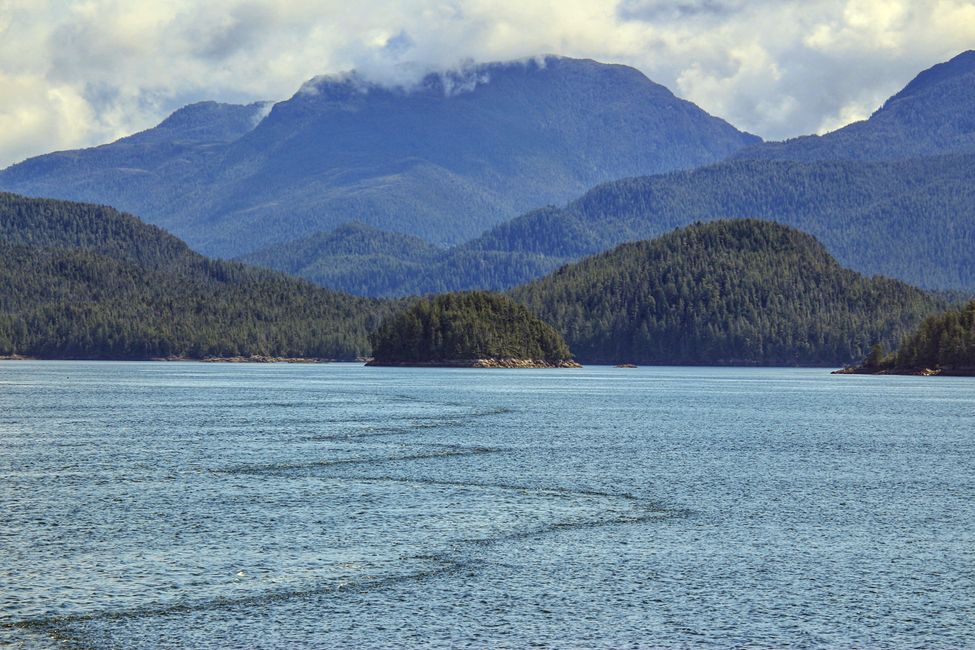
pixel 181 505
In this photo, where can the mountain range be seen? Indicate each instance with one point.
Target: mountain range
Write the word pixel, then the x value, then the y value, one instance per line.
pixel 444 159
pixel 715 271
pixel 862 190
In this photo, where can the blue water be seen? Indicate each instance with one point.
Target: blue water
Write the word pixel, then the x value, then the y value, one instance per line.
pixel 205 505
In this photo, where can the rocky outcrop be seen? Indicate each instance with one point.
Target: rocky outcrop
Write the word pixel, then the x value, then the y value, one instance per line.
pixel 917 372
pixel 263 359
pixel 477 363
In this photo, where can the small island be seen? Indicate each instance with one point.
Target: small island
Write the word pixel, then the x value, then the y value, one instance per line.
pixel 944 344
pixel 476 329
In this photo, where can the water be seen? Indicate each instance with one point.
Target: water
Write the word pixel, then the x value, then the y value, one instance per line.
pixel 200 505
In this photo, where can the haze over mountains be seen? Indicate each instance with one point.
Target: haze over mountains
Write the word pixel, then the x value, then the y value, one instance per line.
pixel 444 160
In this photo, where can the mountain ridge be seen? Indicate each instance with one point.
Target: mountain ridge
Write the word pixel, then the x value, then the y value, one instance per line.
pixel 931 115
pixel 437 164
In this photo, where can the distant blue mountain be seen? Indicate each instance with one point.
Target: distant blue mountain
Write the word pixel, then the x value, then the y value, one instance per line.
pixel 864 191
pixel 443 160
pixel 934 114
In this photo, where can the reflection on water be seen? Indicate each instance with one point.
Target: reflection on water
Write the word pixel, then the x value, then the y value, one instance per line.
pixel 183 504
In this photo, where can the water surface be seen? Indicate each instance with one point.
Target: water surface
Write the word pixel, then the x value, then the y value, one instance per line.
pixel 189 504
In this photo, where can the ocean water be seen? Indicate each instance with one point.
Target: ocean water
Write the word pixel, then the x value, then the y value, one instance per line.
pixel 170 505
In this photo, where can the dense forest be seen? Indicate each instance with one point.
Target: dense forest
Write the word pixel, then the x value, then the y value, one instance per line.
pixel 84 281
pixel 725 292
pixel 945 340
pixel 354 258
pixel 464 326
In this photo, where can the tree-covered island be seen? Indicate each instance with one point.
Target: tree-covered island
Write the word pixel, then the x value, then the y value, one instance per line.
pixel 473 329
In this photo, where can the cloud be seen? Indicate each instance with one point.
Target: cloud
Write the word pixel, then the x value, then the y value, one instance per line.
pixel 82 72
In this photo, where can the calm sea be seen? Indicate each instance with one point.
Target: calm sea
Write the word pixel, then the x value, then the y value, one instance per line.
pixel 157 505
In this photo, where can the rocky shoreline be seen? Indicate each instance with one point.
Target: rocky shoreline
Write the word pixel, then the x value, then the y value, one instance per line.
pixel 238 359
pixel 912 372
pixel 258 359
pixel 476 363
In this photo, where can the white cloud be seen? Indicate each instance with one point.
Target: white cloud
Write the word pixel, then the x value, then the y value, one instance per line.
pixel 77 73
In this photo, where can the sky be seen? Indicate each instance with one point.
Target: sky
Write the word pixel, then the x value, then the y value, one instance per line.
pixel 80 73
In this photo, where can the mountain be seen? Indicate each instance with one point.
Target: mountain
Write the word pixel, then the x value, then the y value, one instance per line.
pixel 460 328
pixel 725 292
pixel 138 173
pixel 85 281
pixel 443 160
pixel 863 191
pixel 933 115
pixel 910 219
pixel 362 260
pixel 354 258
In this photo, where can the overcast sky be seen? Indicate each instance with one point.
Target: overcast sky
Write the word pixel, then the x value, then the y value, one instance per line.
pixel 78 73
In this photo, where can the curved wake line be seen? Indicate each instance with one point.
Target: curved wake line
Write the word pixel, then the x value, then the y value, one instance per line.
pixel 339 586
pixel 527 489
pixel 641 511
pixel 280 468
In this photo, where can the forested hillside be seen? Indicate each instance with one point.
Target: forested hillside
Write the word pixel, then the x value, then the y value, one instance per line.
pixel 465 326
pixel 354 258
pixel 945 341
pixel 727 292
pixel 912 219
pixel 83 281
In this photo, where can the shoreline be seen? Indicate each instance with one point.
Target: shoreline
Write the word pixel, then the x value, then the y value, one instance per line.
pixel 907 372
pixel 257 358
pixel 475 363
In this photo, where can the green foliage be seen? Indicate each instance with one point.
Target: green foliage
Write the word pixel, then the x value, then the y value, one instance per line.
pixel 725 292
pixel 461 326
pixel 944 340
pixel 81 281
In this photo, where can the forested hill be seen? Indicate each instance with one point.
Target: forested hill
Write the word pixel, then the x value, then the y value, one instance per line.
pixel 365 261
pixel 84 281
pixel 945 341
pixel 443 160
pixel 933 115
pixel 355 258
pixel 726 292
pixel 911 219
pixel 456 327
